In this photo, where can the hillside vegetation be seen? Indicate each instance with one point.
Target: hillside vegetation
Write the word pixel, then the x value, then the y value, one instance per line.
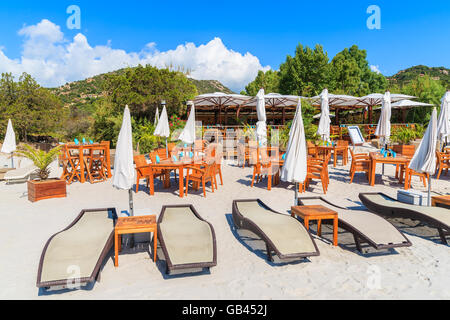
pixel 404 77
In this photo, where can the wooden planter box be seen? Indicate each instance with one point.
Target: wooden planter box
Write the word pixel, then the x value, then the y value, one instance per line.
pixel 51 188
pixel 405 149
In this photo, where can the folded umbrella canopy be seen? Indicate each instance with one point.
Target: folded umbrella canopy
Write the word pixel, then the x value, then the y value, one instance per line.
pixel 162 129
pixel 156 117
pixel 295 166
pixel 384 123
pixel 188 133
pixel 424 159
pixel 9 144
pixel 124 172
pixel 323 129
pixel 443 123
pixel 261 126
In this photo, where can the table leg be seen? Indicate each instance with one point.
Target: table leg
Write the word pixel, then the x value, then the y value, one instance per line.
pixel 155 244
pixel 334 158
pixel 116 249
pixel 372 174
pixel 181 181
pixel 319 227
pixel 335 231
pixel 81 155
pixel 406 177
pixel 152 183
pixel 108 162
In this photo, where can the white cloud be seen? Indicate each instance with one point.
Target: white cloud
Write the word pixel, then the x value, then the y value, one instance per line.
pixel 375 68
pixel 54 60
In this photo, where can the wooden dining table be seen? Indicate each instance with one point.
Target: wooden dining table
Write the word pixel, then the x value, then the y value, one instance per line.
pixel 376 157
pixel 169 165
pixel 90 147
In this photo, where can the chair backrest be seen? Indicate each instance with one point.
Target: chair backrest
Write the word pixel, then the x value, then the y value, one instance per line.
pixel 342 143
pixel 140 160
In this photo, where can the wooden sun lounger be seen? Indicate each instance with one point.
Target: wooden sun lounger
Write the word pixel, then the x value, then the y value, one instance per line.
pixel 73 256
pixel 435 217
pixel 284 235
pixel 187 240
pixel 366 227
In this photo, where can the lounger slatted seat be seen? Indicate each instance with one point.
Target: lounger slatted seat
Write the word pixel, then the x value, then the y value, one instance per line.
pixel 187 240
pixel 366 227
pixel 284 235
pixel 82 246
pixel 435 217
pixel 20 174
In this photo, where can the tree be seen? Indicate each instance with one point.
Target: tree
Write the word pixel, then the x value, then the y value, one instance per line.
pixel 351 74
pixel 143 88
pixel 33 109
pixel 305 74
pixel 426 90
pixel 268 80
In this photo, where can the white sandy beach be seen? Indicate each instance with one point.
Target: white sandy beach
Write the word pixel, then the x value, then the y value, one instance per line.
pixel 417 272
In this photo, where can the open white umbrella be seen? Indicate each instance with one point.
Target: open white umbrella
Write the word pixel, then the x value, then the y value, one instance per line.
pixel 162 129
pixel 407 104
pixel 323 129
pixel 188 133
pixel 9 144
pixel 261 127
pixel 294 168
pixel 443 124
pixel 156 117
pixel 424 159
pixel 124 173
pixel 384 123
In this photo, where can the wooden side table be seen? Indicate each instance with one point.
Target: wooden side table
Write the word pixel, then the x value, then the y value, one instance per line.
pixel 128 225
pixel 319 213
pixel 441 201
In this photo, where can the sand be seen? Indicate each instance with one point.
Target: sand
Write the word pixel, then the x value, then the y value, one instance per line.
pixel 417 272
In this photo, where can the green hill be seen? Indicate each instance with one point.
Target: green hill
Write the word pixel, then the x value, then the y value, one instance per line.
pixel 436 73
pixel 81 94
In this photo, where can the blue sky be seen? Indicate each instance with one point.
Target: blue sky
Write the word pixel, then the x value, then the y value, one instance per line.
pixel 412 32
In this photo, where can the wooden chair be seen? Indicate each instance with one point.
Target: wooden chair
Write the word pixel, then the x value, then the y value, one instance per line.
pixel 443 161
pixel 312 151
pixel 342 152
pixel 216 157
pixel 73 163
pixel 201 175
pixel 423 176
pixel 360 163
pixel 143 170
pixel 243 154
pixel 318 169
pixel 97 170
pixel 158 173
pixel 264 167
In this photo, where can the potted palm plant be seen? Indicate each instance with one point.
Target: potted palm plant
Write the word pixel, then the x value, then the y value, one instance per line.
pixel 43 187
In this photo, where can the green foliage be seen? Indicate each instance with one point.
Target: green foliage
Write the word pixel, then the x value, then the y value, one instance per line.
pixel 405 135
pixel 143 135
pixel 305 74
pixel 143 88
pixel 426 90
pixel 404 77
pixel 34 110
pixel 40 158
pixel 351 74
pixel 268 80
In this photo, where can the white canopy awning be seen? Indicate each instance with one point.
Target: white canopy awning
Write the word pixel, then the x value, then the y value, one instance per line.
pixel 276 100
pixel 220 99
pixel 406 104
pixel 375 99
